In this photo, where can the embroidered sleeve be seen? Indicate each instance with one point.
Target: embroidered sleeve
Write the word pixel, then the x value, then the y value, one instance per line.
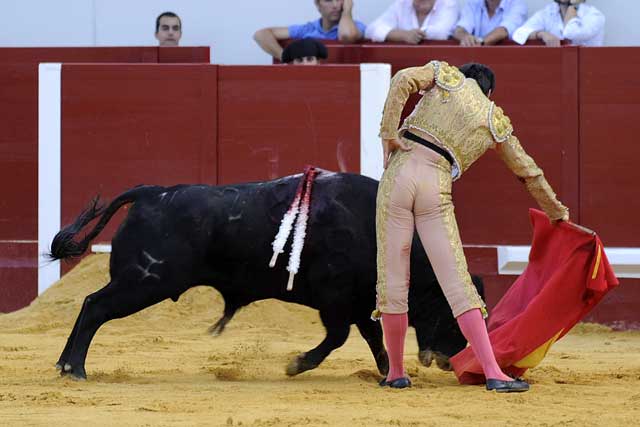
pixel 403 84
pixel 499 124
pixel 448 77
pixel 523 166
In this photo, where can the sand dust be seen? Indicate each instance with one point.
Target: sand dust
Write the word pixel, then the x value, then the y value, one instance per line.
pixel 160 367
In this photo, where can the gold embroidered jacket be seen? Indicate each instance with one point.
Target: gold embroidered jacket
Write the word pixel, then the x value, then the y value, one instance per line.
pixel 456 115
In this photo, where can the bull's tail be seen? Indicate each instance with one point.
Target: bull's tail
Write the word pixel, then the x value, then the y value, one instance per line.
pixel 64 246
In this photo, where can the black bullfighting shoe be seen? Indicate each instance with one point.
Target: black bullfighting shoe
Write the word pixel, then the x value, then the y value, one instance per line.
pixel 402 382
pixel 515 386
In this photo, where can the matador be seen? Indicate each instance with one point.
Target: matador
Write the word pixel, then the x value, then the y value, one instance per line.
pixel 453 125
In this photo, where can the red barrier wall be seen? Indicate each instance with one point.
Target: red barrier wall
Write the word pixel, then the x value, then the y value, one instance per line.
pixel 188 55
pixel 18 275
pixel 125 125
pixel 19 127
pixel 126 121
pixel 275 119
pixel 122 124
pixel 609 149
pixel 19 150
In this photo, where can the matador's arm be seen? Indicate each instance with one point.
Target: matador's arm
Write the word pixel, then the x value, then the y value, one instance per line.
pixel 403 84
pixel 523 166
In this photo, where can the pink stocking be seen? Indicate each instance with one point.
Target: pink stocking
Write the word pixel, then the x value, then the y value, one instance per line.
pixel 475 331
pixel 395 329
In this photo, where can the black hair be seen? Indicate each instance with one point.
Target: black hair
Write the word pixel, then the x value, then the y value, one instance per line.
pixel 303 48
pixel 168 15
pixel 482 74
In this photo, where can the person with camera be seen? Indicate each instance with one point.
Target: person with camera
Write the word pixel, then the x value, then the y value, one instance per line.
pixel 572 20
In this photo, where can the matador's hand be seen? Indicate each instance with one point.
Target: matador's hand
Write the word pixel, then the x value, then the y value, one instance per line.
pixel 565 218
pixel 389 146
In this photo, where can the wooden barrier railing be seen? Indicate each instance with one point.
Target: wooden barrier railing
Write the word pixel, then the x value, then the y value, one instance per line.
pixel 19 150
pixel 129 124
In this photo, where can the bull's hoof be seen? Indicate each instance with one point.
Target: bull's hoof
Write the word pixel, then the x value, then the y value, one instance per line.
pixel 61 362
pixel 299 365
pixel 443 361
pixel 215 330
pixel 75 373
pixel 426 357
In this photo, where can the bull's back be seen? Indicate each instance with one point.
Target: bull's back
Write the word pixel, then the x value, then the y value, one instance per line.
pixel 237 223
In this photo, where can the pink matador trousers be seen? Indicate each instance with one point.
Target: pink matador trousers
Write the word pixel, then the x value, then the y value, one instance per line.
pixel 415 190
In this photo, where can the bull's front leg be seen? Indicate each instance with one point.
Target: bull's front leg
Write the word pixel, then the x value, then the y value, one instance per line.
pixel 337 333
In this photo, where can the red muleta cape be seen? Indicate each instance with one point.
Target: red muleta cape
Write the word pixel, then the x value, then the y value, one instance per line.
pixel 567 275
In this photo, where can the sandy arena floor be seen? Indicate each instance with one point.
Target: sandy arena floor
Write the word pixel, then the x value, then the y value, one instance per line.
pixel 160 367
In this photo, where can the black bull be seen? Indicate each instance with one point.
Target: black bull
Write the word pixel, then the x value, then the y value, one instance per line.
pixel 174 238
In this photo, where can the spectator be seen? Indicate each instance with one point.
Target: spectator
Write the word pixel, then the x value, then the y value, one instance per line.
pixel 168 29
pixel 335 23
pixel 487 22
pixel 304 52
pixel 411 21
pixel 564 19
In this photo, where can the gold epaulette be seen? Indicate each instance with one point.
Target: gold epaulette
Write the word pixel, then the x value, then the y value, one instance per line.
pixel 499 124
pixel 448 77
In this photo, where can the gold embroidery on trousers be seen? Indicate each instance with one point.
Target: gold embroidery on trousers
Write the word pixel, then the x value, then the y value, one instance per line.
pixel 451 226
pixel 398 158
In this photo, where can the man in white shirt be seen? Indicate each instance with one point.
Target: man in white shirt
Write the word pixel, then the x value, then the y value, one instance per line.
pixel 411 21
pixel 573 20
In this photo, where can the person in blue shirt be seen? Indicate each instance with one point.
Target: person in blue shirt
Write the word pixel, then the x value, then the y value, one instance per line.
pixel 487 22
pixel 336 23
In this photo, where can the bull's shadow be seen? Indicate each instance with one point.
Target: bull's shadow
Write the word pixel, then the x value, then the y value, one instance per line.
pixel 174 238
